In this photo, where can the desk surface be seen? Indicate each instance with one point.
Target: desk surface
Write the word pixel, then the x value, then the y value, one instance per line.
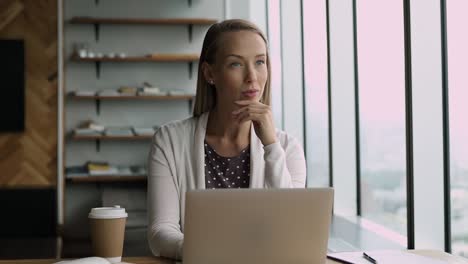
pixel 451 259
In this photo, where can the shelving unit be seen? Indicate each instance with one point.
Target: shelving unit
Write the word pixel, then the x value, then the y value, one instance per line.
pixel 142 21
pixel 156 51
pixel 98 98
pixel 152 58
pixel 149 58
pixel 97 21
pixel 108 178
pixel 189 58
pixel 99 138
pixel 133 97
pixel 103 137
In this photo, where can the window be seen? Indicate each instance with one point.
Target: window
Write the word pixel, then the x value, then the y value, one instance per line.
pixel 457 56
pixel 274 38
pixel 381 77
pixel 316 92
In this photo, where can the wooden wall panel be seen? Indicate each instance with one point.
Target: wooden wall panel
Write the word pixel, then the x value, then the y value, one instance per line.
pixel 29 159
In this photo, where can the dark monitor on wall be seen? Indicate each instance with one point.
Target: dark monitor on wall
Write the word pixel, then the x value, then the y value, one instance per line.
pixel 12 85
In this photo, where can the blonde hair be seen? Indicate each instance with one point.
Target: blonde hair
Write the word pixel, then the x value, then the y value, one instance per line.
pixel 205 99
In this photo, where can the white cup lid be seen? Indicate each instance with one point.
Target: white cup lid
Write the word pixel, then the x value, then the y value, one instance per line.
pixel 107 212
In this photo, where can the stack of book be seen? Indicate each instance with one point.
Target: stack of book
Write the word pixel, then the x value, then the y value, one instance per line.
pixel 173 92
pixel 99 168
pixel 118 131
pixel 143 131
pixel 145 90
pixel 127 91
pixel 151 91
pixel 108 92
pixel 83 93
pixel 89 128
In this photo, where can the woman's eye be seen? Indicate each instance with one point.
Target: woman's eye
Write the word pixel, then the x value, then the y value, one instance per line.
pixel 235 64
pixel 260 62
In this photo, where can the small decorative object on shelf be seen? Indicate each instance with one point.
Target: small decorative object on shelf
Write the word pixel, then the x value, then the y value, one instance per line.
pixel 81 49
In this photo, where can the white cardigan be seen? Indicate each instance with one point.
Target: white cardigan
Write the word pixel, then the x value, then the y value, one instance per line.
pixel 176 165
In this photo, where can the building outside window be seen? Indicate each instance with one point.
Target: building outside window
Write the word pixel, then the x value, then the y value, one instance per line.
pixel 381 77
pixel 457 51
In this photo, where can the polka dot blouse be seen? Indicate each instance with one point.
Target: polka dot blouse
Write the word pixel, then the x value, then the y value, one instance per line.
pixel 226 172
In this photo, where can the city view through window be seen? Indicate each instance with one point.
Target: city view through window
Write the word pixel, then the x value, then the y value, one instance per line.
pixel 381 76
pixel 457 49
pixel 381 80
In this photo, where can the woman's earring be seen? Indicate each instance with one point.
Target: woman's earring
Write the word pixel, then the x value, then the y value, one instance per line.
pixel 211 82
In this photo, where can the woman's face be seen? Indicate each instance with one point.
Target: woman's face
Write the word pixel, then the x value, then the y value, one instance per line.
pixel 240 70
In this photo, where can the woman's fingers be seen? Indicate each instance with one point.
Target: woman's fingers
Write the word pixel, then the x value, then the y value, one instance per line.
pixel 250 107
pixel 256 117
pixel 261 117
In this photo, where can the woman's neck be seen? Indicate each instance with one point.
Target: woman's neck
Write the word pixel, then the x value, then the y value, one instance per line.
pixel 222 127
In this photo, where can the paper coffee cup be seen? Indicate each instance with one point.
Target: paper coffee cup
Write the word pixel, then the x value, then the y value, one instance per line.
pixel 107 228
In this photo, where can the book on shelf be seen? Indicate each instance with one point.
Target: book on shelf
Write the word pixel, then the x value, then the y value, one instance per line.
pixel 86 132
pixel 118 131
pixel 89 128
pixel 89 124
pixel 127 91
pixel 97 165
pixel 108 92
pixel 83 93
pixel 96 168
pixel 143 131
pixel 101 168
pixel 76 171
pixel 155 91
pixel 174 92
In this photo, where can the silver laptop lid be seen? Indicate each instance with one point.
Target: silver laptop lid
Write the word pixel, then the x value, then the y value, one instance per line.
pixel 257 226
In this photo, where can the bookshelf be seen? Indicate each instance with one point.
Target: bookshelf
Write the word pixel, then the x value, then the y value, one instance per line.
pixel 133 97
pixel 97 21
pixel 107 178
pixel 142 21
pixel 99 138
pixel 133 45
pixel 148 58
pixel 189 58
pixel 98 99
pixel 104 137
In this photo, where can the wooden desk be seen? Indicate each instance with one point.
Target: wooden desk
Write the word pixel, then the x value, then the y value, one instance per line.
pixel 451 259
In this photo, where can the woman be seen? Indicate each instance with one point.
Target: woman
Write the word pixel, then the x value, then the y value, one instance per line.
pixel 230 142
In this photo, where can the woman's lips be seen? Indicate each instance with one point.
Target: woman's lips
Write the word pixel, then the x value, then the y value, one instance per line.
pixel 250 93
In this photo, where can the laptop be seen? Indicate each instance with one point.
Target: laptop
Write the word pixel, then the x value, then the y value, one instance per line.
pixel 257 226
